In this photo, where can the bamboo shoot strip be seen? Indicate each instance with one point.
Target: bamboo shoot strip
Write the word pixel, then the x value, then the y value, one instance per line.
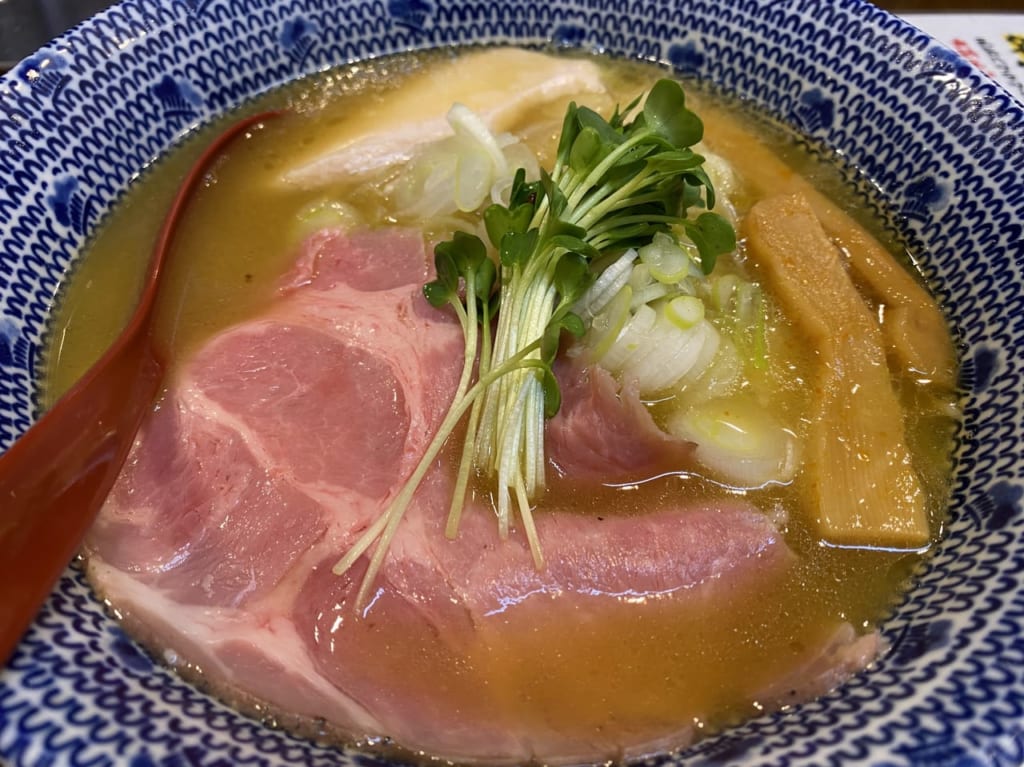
pixel 858 469
pixel 915 330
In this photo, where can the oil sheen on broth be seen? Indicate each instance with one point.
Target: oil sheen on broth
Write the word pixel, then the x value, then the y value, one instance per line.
pixel 644 662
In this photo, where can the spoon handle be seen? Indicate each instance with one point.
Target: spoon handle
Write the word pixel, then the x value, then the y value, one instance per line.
pixel 55 477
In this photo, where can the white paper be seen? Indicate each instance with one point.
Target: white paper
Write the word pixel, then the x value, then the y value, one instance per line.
pixel 993 42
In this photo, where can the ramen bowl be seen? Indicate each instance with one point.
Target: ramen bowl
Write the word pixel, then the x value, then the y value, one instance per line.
pixel 940 146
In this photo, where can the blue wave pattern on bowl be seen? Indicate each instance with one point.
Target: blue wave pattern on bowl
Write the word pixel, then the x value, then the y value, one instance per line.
pixel 83 116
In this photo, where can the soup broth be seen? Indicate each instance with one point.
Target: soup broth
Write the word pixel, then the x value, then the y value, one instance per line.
pixel 645 667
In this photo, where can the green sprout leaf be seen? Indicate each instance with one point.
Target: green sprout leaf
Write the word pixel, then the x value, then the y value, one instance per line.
pixel 587 151
pixel 666 114
pixel 552 394
pixel 517 247
pixel 713 236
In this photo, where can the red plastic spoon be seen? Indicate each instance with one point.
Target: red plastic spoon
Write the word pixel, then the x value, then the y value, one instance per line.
pixel 54 479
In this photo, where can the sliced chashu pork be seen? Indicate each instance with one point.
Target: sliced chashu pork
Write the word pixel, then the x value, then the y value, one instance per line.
pixel 283 437
pixel 502 85
pixel 622 444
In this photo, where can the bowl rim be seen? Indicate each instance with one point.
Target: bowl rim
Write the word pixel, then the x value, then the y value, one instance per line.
pixel 913 49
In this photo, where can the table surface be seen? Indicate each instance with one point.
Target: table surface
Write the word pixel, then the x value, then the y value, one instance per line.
pixel 25 25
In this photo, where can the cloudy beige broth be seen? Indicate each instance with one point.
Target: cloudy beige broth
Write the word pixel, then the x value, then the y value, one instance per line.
pixel 645 665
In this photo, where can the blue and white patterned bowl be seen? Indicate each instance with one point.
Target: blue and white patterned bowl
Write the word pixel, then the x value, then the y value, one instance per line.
pixel 944 144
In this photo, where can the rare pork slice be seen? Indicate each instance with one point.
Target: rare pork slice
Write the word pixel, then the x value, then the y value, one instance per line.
pixel 604 433
pixel 285 436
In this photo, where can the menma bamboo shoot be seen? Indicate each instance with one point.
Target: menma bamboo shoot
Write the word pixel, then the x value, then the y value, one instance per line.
pixel 857 469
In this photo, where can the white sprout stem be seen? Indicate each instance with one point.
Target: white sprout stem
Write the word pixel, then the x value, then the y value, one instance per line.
pixel 503 415
pixel 608 197
pixel 358 548
pixel 594 177
pixel 526 513
pixel 535 478
pixel 607 285
pixel 509 464
pixel 462 480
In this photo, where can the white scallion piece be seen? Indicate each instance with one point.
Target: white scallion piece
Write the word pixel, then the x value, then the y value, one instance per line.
pixel 668 355
pixel 648 294
pixel 684 311
pixel 668 262
pixel 607 286
pixel 739 441
pixel 326 214
pixel 606 326
pixel 467 124
pixel 632 339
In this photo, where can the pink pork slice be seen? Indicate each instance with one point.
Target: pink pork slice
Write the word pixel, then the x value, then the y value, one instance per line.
pixel 622 443
pixel 285 436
